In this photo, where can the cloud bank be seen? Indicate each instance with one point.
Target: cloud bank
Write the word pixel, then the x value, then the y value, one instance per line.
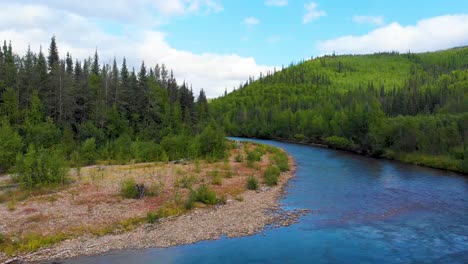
pixel 431 34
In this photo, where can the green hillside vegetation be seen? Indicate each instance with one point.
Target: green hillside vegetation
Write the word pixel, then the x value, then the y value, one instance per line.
pixel 56 112
pixel 409 107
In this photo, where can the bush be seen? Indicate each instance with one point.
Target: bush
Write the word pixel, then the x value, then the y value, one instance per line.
pixel 176 147
pixel 148 151
pixel 212 143
pixel 10 145
pixel 122 149
pixel 271 175
pixel 88 153
pixel 252 183
pixel 255 155
pixel 40 167
pixel 128 189
pixel 282 161
pixel 239 157
pixel 203 195
pixel 151 217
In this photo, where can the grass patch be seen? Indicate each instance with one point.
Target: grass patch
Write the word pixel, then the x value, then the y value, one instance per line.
pixel 239 198
pixel 11 205
pixel 151 217
pixel 155 189
pixel 28 243
pixel 239 157
pixel 252 183
pixel 185 182
pixel 228 174
pixel 216 178
pixel 271 175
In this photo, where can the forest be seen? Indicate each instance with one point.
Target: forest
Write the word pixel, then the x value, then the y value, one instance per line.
pixel 57 113
pixel 409 107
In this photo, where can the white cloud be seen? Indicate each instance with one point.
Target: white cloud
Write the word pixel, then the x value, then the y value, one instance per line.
pixel 312 12
pixel 276 2
pixel 80 36
pixel 131 10
pixel 214 72
pixel 251 21
pixel 430 34
pixel 375 20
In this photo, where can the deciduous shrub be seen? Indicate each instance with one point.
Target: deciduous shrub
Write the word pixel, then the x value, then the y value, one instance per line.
pixel 40 167
pixel 212 143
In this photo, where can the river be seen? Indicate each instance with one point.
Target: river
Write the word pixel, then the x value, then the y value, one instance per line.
pixel 363 210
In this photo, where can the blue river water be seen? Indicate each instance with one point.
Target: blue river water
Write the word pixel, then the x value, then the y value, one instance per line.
pixel 363 210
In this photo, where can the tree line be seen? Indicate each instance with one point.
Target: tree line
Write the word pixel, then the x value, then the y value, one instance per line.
pixel 85 111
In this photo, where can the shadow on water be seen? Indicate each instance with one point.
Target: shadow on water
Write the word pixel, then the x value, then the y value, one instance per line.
pixel 363 210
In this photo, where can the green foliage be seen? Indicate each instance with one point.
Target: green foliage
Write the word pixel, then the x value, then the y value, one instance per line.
pixel 217 180
pixel 44 134
pixel 122 149
pixel 10 144
pixel 151 217
pixel 186 181
pixel 239 157
pixel 88 152
pixel 252 183
pixel 40 167
pixel 255 155
pixel 271 175
pixel 148 151
pixel 202 194
pixel 128 189
pixel 212 143
pixel 281 160
pixel 338 142
pixel 176 146
pixel 370 104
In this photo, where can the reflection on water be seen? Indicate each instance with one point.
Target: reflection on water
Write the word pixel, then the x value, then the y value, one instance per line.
pixel 364 210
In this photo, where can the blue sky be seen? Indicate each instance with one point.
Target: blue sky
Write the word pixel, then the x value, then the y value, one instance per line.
pixel 281 36
pixel 217 44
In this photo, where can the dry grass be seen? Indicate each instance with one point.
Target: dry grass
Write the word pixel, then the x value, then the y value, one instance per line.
pixel 92 204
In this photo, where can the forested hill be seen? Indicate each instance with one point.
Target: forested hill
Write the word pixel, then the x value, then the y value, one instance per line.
pixel 410 107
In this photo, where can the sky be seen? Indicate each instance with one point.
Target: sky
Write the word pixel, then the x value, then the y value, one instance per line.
pixel 217 44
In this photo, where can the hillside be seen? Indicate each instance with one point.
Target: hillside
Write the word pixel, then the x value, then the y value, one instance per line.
pixel 409 107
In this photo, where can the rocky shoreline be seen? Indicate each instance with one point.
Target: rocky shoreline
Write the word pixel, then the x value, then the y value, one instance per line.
pixel 234 219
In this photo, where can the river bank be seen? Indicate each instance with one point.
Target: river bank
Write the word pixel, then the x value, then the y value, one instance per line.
pixel 245 212
pixel 434 162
